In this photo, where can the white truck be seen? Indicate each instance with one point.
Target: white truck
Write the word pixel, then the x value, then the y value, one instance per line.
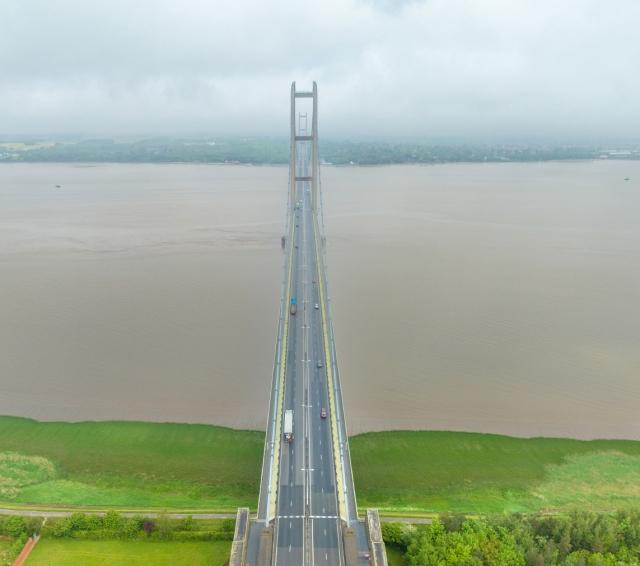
pixel 288 425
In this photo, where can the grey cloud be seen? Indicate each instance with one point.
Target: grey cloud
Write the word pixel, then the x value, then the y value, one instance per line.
pixel 436 68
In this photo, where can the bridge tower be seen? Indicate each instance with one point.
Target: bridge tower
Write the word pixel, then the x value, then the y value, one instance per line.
pixel 296 136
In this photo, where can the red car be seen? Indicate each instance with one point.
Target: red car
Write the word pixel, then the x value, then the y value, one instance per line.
pixel 323 413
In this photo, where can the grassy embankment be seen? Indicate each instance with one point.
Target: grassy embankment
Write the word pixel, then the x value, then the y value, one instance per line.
pixel 67 552
pixel 132 465
pixel 414 472
pixel 128 465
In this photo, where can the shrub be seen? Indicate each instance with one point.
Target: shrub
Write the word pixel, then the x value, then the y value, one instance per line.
pixel 113 521
pixel 229 526
pixel 131 529
pixel 77 522
pixel 395 533
pixel 148 526
pixel 33 525
pixel 15 526
pixel 59 529
pixel 16 547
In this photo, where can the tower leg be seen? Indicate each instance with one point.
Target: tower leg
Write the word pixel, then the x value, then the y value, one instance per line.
pixel 314 151
pixel 292 153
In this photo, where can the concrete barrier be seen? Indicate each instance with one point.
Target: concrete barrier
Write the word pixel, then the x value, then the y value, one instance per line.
pixel 378 552
pixel 239 545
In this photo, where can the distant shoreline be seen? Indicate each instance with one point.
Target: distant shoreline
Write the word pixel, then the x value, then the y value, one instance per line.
pixel 336 165
pixel 275 151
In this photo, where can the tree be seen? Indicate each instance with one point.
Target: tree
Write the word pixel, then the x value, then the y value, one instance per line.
pixel 15 526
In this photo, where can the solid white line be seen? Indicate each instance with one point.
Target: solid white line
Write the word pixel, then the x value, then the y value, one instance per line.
pixel 339 545
pixel 275 557
pixel 313 546
pixel 281 517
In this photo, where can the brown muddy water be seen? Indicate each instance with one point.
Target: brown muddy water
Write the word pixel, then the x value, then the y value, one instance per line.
pixel 496 297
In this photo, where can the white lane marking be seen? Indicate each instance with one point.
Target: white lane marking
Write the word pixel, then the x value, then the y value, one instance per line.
pixel 313 545
pixel 275 558
pixel 339 549
pixel 280 517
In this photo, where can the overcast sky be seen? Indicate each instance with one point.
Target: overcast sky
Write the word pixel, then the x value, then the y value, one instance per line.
pixel 477 70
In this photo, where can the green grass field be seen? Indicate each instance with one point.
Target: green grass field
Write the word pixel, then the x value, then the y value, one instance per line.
pixel 133 465
pixel 67 552
pixel 128 465
pixel 418 472
pixel 5 545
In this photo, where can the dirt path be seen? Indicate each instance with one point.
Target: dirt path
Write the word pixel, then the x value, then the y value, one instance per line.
pixel 26 551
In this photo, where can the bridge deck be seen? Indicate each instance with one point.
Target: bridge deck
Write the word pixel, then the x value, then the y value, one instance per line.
pixel 306 489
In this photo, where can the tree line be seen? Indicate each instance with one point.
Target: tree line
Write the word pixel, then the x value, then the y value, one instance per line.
pixel 580 538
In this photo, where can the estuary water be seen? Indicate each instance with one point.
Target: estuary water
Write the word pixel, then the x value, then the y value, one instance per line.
pixel 487 297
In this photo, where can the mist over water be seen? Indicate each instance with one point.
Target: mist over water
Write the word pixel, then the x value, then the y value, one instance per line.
pixel 498 297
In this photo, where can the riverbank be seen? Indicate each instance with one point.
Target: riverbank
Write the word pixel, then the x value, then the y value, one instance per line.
pixel 138 466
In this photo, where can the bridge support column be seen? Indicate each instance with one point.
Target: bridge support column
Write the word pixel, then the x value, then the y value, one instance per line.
pixel 239 545
pixel 374 537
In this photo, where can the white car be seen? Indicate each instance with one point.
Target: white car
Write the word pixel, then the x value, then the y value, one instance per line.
pixel 316 306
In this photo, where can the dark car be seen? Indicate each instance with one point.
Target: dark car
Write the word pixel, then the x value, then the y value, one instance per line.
pixel 323 413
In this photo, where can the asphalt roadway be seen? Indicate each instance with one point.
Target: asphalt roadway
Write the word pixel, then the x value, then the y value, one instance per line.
pixel 303 503
pixel 307 487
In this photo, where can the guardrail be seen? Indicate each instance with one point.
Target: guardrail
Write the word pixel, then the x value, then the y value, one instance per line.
pixel 275 462
pixel 335 437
